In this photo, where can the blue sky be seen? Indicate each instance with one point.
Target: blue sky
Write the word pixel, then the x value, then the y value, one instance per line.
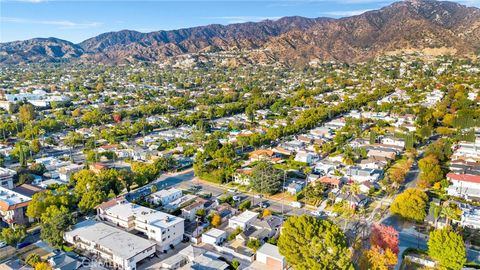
pixel 76 20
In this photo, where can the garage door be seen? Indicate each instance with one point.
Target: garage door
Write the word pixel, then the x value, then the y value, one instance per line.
pixel 275 264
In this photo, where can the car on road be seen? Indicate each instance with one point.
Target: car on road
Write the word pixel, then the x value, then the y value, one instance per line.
pixel 258 196
pixel 296 204
pixel 3 244
pixel 232 190
pixel 263 205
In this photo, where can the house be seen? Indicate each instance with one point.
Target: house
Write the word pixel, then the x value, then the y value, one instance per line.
pixel 195 258
pixel 119 249
pixel 270 258
pixel 242 221
pixel 97 167
pixel 189 212
pixel 306 157
pixel 330 182
pixel 65 172
pixel 65 261
pixel 470 216
pixel 294 187
pixel 214 236
pixel 359 174
pixel 354 200
pixel 393 141
pixel 386 153
pixel 165 196
pixel 374 162
pixel 325 167
pixel 167 230
pixel 261 154
pixel 466 186
pixel 6 177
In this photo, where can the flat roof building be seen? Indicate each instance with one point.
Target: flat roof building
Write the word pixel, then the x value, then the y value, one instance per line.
pixel 167 230
pixel 119 249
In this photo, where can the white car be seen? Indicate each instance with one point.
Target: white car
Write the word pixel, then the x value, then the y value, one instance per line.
pixel 236 198
pixel 296 204
pixel 3 244
pixel 231 190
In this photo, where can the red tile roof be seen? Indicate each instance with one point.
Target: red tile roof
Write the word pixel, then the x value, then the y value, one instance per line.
pixel 464 177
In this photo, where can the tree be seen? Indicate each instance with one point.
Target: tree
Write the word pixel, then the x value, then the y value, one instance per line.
pixel 254 244
pixel 13 236
pixel 26 113
pixel 310 243
pixel 32 259
pixel 385 237
pixel 235 264
pixel 55 221
pixel 447 248
pixel 245 205
pixel 43 266
pixel 265 178
pixel 410 204
pixel 430 171
pixel 266 212
pixel 216 220
pixel 380 259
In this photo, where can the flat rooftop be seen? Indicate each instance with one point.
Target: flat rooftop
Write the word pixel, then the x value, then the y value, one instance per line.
pixel 245 216
pixel 151 216
pixel 11 197
pixel 119 242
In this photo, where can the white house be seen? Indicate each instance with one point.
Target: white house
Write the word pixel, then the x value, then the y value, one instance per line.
pixel 167 230
pixel 165 196
pixel 393 141
pixel 307 157
pixel 65 172
pixel 464 185
pixel 214 236
pixel 242 221
pixel 120 249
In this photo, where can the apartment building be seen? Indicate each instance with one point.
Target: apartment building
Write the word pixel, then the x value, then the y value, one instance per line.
pixel 167 230
pixel 116 248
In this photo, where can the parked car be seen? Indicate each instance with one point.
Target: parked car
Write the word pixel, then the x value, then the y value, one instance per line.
pixel 296 204
pixel 3 244
pixel 237 198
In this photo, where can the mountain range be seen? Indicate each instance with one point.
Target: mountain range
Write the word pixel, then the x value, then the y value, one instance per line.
pixel 432 27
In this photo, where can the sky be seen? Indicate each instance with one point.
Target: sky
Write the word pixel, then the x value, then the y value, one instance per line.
pixel 77 20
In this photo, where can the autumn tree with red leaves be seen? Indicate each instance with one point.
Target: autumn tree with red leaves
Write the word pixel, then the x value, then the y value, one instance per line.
pixel 385 237
pixel 117 117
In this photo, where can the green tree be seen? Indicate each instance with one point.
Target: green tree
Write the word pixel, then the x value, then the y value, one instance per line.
pixel 310 243
pixel 235 264
pixel 447 248
pixel 55 221
pixel 254 244
pixel 245 205
pixel 13 236
pixel 265 178
pixel 410 204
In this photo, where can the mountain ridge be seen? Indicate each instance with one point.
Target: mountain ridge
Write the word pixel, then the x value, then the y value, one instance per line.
pixel 428 25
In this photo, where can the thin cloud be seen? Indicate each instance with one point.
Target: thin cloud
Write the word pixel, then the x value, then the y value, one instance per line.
pixel 243 19
pixel 62 24
pixel 344 13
